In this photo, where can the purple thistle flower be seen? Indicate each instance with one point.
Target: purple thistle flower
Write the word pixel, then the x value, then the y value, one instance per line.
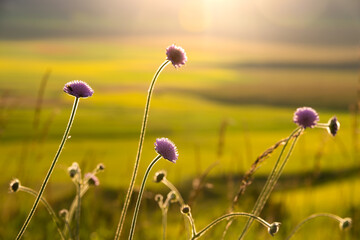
pixel 166 149
pixel 176 55
pixel 78 89
pixel 306 117
pixel 333 126
pixel 92 179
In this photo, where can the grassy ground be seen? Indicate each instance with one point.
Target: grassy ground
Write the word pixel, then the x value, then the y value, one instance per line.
pixel 189 106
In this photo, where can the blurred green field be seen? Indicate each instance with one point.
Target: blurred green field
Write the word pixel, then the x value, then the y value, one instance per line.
pixel 189 105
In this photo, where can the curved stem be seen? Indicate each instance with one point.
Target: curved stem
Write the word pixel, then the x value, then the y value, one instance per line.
pixel 43 186
pixel 270 183
pixel 164 221
pixel 138 154
pixel 216 221
pixel 329 215
pixel 47 206
pixel 141 191
pixel 174 189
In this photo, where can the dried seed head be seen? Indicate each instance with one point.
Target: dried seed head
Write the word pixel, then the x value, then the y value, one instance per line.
pixel 274 228
pixel 159 176
pixel 14 185
pixel 185 209
pixel 345 223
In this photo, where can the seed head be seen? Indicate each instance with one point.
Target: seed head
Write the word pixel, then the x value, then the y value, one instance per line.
pixel 185 209
pixel 274 228
pixel 92 179
pixel 176 55
pixel 159 176
pixel 14 185
pixel 345 223
pixel 166 149
pixel 333 126
pixel 73 169
pixel 78 89
pixel 306 117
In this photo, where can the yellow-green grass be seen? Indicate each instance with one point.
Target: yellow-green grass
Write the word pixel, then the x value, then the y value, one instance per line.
pixel 188 107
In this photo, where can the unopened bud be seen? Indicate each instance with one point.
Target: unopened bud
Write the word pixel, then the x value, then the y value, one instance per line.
pixel 274 228
pixel 159 176
pixel 14 185
pixel 345 223
pixel 185 209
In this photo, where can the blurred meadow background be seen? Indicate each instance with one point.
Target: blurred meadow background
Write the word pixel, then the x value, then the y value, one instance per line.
pixel 250 65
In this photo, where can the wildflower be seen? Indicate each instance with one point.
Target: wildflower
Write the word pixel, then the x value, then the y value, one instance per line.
pixel 274 228
pixel 14 185
pixel 333 126
pixel 176 55
pixel 306 117
pixel 159 176
pixel 78 89
pixel 92 179
pixel 73 169
pixel 166 149
pixel 345 223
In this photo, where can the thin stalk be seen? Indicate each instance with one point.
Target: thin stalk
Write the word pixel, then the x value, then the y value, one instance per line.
pixel 43 186
pixel 268 185
pixel 48 208
pixel 141 191
pixel 174 189
pixel 138 154
pixel 216 221
pixel 78 205
pixel 329 215
pixel 164 221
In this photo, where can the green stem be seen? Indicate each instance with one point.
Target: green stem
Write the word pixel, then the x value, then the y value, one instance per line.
pixel 329 215
pixel 43 186
pixel 216 221
pixel 164 221
pixel 141 191
pixel 138 154
pixel 47 206
pixel 270 182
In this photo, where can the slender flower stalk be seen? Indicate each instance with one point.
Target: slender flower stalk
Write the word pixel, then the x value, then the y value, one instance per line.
pixel 272 179
pixel 343 222
pixel 174 189
pixel 52 166
pixel 47 205
pixel 141 191
pixel 138 154
pixel 78 204
pixel 272 228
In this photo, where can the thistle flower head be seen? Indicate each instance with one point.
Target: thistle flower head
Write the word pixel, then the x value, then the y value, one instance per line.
pixel 14 185
pixel 176 55
pixel 92 179
pixel 306 117
pixel 78 89
pixel 274 228
pixel 159 176
pixel 166 149
pixel 345 223
pixel 73 169
pixel 333 126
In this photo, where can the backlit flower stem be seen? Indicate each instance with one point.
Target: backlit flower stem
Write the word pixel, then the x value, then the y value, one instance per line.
pixel 48 208
pixel 141 191
pixel 328 215
pixel 272 179
pixel 78 204
pixel 173 188
pixel 138 154
pixel 52 166
pixel 239 214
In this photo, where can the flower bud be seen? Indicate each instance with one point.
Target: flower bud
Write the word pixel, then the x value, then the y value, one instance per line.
pixel 185 209
pixel 73 169
pixel 63 213
pixel 158 198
